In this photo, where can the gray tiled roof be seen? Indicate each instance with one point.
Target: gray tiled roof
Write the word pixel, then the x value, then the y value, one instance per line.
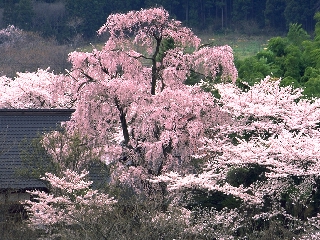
pixel 18 124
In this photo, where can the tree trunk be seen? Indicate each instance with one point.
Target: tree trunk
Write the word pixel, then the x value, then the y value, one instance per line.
pixel 123 121
pixel 154 66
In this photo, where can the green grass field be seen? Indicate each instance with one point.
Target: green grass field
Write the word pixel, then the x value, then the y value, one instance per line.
pixel 242 45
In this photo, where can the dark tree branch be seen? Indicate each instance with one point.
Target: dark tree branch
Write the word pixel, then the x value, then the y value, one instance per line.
pixel 123 121
pixel 154 66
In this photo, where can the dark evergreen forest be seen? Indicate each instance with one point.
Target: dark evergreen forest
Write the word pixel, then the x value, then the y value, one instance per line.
pixel 67 19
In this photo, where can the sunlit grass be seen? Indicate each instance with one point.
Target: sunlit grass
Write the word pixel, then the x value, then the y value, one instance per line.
pixel 242 45
pixel 89 47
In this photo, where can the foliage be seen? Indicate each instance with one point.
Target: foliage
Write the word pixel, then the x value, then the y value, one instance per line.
pixel 72 211
pixel 70 151
pixel 253 69
pixel 70 198
pixel 10 36
pixel 55 151
pixel 295 58
pixel 11 229
pixel 296 34
pixel 280 155
pixel 69 20
pixel 192 165
pixel 277 46
pixel 36 159
pixel 80 16
pixel 146 107
pixel 49 20
pixel 23 51
pixel 19 13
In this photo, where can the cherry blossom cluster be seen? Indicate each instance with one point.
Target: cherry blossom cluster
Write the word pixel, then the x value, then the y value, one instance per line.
pixel 145 25
pixel 41 89
pixel 211 61
pixel 10 35
pixel 134 113
pixel 70 197
pixel 172 121
pixel 275 129
pixel 143 116
pixel 69 150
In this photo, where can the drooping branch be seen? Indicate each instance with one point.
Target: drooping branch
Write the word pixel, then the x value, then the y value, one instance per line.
pixel 90 79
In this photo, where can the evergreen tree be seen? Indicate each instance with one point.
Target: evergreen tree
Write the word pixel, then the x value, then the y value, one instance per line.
pixel 24 14
pixel 86 17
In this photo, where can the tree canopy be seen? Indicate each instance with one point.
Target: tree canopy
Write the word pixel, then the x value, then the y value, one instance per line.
pixel 68 20
pixel 216 159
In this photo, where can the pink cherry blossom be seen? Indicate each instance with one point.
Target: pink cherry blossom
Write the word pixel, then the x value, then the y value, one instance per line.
pixel 41 89
pixel 138 109
pixel 70 198
pixel 284 140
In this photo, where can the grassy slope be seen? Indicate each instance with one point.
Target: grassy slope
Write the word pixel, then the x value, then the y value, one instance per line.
pixel 242 45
